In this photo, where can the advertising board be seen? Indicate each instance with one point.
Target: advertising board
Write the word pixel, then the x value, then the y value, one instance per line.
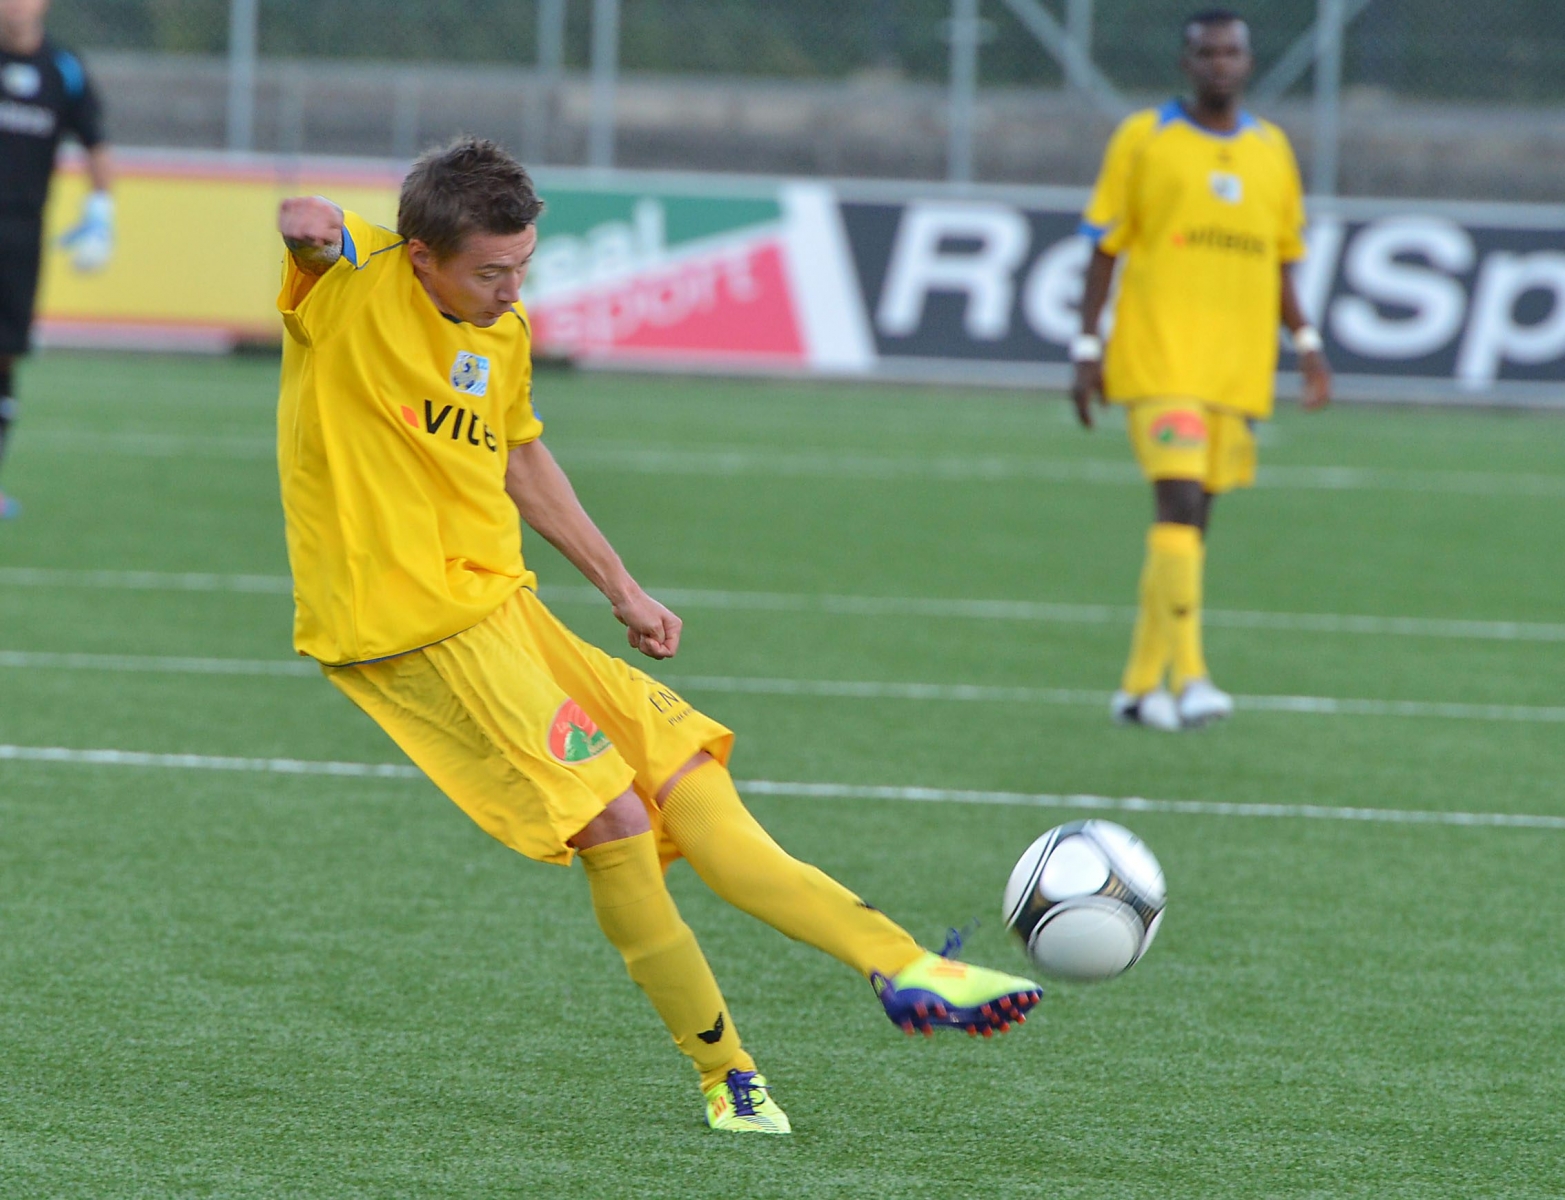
pixel 1417 300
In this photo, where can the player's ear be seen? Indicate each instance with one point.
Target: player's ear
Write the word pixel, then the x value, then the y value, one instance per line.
pixel 420 255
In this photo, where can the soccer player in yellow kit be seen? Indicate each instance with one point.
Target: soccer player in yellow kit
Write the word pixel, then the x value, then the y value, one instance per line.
pixel 408 449
pixel 1203 202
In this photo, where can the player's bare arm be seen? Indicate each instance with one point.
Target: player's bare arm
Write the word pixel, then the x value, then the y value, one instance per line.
pixel 548 503
pixel 100 172
pixel 1312 357
pixel 312 230
pixel 1087 351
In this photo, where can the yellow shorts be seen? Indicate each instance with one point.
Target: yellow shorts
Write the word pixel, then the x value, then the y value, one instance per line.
pixel 1184 439
pixel 530 730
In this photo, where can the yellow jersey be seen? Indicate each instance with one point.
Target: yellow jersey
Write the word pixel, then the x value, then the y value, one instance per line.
pixel 393 425
pixel 1204 222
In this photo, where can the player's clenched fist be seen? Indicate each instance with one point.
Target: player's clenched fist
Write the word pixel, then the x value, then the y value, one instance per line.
pixel 312 228
pixel 649 626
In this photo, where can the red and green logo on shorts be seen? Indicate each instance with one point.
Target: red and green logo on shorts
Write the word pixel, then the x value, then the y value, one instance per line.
pixel 574 737
pixel 1179 428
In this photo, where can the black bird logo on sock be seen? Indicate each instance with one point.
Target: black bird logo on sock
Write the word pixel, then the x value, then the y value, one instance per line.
pixel 715 1034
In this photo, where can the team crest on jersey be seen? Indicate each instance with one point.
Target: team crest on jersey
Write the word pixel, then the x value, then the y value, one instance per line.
pixel 574 737
pixel 470 373
pixel 21 80
pixel 1179 429
pixel 1227 187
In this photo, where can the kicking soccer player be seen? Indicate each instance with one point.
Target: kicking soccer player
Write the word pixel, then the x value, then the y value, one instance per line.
pixel 1203 200
pixel 408 447
pixel 44 93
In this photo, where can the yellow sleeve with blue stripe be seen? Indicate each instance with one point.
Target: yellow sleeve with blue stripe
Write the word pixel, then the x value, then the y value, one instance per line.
pixel 521 421
pixel 1110 220
pixel 1291 221
pixel 313 306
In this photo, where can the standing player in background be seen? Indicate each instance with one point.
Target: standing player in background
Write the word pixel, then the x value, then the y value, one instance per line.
pixel 410 454
pixel 1204 202
pixel 44 94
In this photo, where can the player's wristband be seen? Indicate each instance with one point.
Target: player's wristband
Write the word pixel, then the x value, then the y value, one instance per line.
pixel 1307 340
pixel 1086 348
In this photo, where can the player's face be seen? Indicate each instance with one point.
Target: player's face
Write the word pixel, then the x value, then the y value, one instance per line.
pixel 479 283
pixel 1217 59
pixel 22 20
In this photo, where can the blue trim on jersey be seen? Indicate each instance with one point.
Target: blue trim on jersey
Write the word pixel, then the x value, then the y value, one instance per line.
pixel 349 250
pixel 71 73
pixel 1174 110
pixel 1093 233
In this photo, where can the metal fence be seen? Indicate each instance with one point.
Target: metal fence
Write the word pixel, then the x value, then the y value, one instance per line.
pixel 1017 90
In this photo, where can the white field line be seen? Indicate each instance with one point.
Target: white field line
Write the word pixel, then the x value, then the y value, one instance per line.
pixel 145 581
pixel 827 688
pixel 205 762
pixel 1040 612
pixel 1075 698
pixel 146 664
pixel 61 755
pixel 723 461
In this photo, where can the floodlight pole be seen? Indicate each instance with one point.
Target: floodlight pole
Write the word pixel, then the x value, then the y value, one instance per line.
pixel 966 32
pixel 1078 28
pixel 243 22
pixel 1329 20
pixel 605 73
pixel 546 89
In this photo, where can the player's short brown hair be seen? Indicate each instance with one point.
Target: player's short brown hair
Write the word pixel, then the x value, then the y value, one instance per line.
pixel 468 186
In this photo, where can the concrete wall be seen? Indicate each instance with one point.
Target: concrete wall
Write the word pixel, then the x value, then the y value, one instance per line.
pixel 870 127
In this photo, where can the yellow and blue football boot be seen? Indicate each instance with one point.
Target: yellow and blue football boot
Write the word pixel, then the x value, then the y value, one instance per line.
pixel 742 1103
pixel 935 990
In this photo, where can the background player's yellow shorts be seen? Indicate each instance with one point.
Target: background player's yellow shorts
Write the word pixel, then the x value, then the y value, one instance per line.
pixel 529 729
pixel 1182 439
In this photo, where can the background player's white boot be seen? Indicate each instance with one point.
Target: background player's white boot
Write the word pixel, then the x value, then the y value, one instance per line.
pixel 1202 702
pixel 1155 709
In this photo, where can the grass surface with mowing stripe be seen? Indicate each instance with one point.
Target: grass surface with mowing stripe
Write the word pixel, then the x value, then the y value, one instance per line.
pixel 239 985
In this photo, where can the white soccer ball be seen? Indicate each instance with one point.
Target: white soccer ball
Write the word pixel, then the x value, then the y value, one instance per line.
pixel 1086 900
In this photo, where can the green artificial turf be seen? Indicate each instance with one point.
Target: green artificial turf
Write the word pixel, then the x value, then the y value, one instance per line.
pixel 252 985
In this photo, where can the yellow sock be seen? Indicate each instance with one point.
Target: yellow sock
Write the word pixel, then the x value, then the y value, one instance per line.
pixel 739 861
pixel 638 916
pixel 1168 625
pixel 1149 645
pixel 1185 569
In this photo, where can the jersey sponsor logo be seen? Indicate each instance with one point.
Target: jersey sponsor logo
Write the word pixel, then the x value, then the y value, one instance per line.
pixel 30 119
pixel 470 373
pixel 452 422
pixel 1180 429
pixel 574 737
pixel 669 704
pixel 1227 187
pixel 1215 237
pixel 20 79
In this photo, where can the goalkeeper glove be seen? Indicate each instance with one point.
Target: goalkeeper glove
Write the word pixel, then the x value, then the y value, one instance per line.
pixel 91 240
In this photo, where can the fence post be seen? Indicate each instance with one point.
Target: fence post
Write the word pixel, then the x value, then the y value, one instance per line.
pixel 1329 20
pixel 966 32
pixel 605 74
pixel 546 88
pixel 243 19
pixel 1078 27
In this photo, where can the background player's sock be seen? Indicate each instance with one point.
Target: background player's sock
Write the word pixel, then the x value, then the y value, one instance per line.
pixel 7 406
pixel 638 916
pixel 1180 558
pixel 739 861
pixel 1151 647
